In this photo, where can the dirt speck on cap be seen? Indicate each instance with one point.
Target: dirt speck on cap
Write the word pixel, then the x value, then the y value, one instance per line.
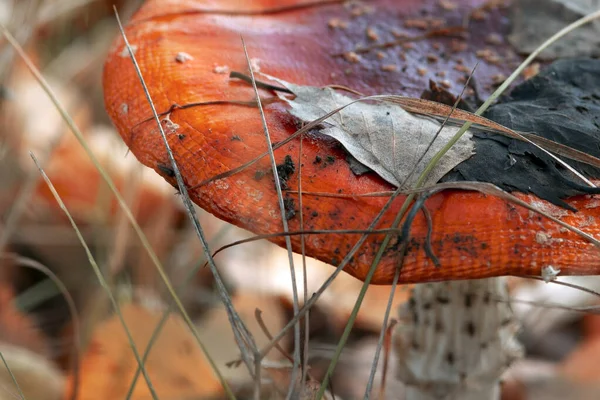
pixel 447 5
pixel 336 23
pixel 432 58
pixel 183 57
pixel 542 237
pixel 285 171
pixel 221 69
pixel 372 34
pixel 352 57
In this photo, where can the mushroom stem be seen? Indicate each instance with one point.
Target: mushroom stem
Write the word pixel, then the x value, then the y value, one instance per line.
pixel 456 339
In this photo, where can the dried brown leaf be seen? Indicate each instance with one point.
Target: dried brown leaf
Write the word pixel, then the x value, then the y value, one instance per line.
pixel 383 136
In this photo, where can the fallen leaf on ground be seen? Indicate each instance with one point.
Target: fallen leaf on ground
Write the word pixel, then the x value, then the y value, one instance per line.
pixel 38 378
pixel 176 365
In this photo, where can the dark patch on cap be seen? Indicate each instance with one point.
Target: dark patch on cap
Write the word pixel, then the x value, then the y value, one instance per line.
pixel 356 166
pixel 285 170
pixel 289 207
pixel 259 174
pixel 166 170
pixel 548 105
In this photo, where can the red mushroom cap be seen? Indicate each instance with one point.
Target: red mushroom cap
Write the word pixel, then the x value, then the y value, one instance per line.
pixel 186 49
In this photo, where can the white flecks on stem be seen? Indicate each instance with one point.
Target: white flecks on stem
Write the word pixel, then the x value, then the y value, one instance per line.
pixel 455 340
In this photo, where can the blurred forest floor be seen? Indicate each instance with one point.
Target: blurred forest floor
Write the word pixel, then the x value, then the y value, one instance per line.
pixel 68 41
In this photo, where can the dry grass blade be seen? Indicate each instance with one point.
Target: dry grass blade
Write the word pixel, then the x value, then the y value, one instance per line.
pixel 572 286
pixel 447 116
pixel 361 296
pixel 242 335
pixel 384 329
pixel 25 193
pixel 339 268
pixel 105 176
pixel 387 347
pixel 304 270
pixel 556 306
pixel 76 356
pixel 382 336
pixel 288 242
pixel 265 330
pixel 493 190
pixel 99 276
pixel 483 187
pixel 307 232
pixel 161 323
pixel 12 376
pixel 562 150
pixel 197 104
pixel 382 247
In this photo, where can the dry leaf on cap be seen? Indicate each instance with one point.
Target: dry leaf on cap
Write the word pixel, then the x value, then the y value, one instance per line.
pixel 382 136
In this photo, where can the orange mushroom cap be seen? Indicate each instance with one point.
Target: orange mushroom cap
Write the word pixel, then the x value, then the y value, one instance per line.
pixel 183 48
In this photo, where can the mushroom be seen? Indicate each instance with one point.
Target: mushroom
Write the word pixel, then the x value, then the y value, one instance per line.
pixel 459 338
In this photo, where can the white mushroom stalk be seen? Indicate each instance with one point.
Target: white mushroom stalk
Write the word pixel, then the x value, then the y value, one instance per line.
pixel 455 340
